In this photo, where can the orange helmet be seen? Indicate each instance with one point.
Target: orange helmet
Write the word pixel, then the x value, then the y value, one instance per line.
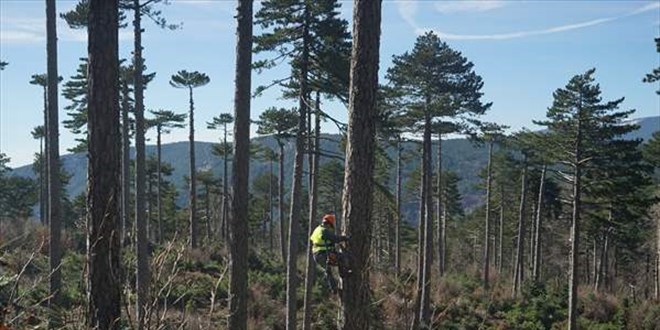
pixel 329 218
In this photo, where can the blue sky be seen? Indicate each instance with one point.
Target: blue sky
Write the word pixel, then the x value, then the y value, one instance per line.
pixel 523 50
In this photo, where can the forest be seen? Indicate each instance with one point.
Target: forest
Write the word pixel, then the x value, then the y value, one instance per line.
pixel 449 221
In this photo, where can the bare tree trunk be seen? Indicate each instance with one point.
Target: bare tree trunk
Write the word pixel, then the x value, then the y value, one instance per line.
pixel 270 204
pixel 314 189
pixel 54 202
pixel 193 176
pixel 103 186
pixel 575 231
pixel 421 237
pixel 238 232
pixel 296 185
pixel 427 171
pixel 536 270
pixel 225 191
pixel 143 272
pixel 42 181
pixel 160 185
pixel 125 166
pixel 439 218
pixel 280 201
pixel 207 211
pixel 44 161
pixel 501 231
pixel 601 270
pixel 489 181
pixel 519 268
pixel 357 199
pixel 397 228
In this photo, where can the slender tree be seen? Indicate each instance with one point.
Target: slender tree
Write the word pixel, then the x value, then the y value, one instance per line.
pixel 218 122
pixel 238 233
pixel 163 121
pixel 652 155
pixel 104 268
pixel 189 80
pixel 39 133
pixel 54 201
pixel 360 147
pixel 581 126
pixel 280 123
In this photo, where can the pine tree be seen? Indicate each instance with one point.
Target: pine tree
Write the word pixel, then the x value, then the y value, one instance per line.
pixel 238 225
pixel 433 82
pixel 581 127
pixel 655 75
pixel 104 266
pixel 163 121
pixel 190 80
pixel 358 180
pixel 281 124
pixel 39 167
pixel 218 122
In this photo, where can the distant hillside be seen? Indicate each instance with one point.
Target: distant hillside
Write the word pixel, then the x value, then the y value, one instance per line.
pixel 459 155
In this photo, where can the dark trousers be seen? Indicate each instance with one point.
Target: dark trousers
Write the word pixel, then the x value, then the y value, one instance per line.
pixel 321 259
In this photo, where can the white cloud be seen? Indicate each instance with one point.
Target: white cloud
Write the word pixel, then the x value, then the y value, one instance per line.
pixel 529 33
pixel 22 30
pixel 446 7
pixel 407 10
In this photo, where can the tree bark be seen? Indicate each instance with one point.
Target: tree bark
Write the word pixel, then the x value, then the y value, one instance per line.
pixel 397 227
pixel 143 272
pixel 54 191
pixel 501 231
pixel 44 160
pixel 421 237
pixel 536 270
pixel 519 268
pixel 238 231
pixel 314 170
pixel 160 184
pixel 225 191
pixel 359 167
pixel 489 181
pixel 125 166
pixel 103 185
pixel 280 201
pixel 601 269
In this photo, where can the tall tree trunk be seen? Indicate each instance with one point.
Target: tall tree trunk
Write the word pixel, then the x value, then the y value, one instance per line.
pixel 519 268
pixel 536 270
pixel 42 180
pixel 427 173
pixel 192 193
pixel 238 232
pixel 44 161
pixel 501 231
pixel 103 185
pixel 207 211
pixel 397 227
pixel 296 187
pixel 439 218
pixel 314 170
pixel 601 270
pixel 160 184
pixel 54 191
pixel 421 237
pixel 225 191
pixel 575 231
pixel 280 201
pixel 357 199
pixel 143 272
pixel 270 204
pixel 125 165
pixel 489 181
